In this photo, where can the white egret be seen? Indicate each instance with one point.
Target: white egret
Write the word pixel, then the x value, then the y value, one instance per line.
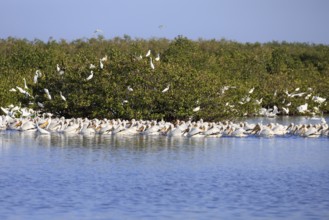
pixel 23 91
pixel 92 66
pixel 148 53
pixel 151 63
pixel 196 109
pixel 318 99
pixel 40 105
pixel 25 86
pixel 90 76
pixel 104 59
pixel 302 108
pixel 101 65
pixel 130 89
pixel 251 90
pixel 157 58
pixel 48 94
pixel 12 90
pixel 285 110
pixel 58 68
pixel 62 97
pixel 166 89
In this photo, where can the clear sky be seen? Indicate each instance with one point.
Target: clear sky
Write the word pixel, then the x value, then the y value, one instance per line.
pixel 237 20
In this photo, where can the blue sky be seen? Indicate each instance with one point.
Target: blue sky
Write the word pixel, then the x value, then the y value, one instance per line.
pixel 237 20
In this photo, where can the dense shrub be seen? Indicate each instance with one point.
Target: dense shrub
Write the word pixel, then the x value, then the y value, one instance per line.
pixel 195 71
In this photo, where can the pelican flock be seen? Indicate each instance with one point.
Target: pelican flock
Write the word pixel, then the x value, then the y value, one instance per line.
pixel 44 124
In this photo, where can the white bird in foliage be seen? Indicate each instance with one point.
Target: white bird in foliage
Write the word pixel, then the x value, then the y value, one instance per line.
pixel 251 90
pixel 130 89
pixel 23 91
pixel 90 76
pixel 196 109
pixel 151 63
pixel 101 65
pixel 40 105
pixel 59 70
pixel 148 53
pixel 157 58
pixel 48 94
pixel 302 108
pixel 36 76
pixel 62 97
pixel 25 86
pixel 92 66
pixel 12 90
pixel 104 58
pixel 166 89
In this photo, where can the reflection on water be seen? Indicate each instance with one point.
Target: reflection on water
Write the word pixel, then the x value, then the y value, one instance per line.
pixel 151 177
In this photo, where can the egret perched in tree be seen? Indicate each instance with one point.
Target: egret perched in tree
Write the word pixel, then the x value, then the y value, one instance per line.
pixel 251 90
pixel 48 94
pixel 104 59
pixel 92 66
pixel 151 63
pixel 196 109
pixel 59 70
pixel 90 76
pixel 25 86
pixel 40 105
pixel 62 97
pixel 148 53
pixel 130 89
pixel 157 58
pixel 36 76
pixel 166 89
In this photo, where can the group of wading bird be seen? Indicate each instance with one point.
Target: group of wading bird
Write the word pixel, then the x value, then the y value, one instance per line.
pixel 31 120
pixel 47 125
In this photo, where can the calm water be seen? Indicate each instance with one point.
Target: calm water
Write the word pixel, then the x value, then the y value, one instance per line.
pixel 75 177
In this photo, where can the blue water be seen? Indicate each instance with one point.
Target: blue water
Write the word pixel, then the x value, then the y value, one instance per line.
pixel 76 177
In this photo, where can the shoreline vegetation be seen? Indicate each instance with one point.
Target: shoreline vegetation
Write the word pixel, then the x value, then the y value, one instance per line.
pixel 161 79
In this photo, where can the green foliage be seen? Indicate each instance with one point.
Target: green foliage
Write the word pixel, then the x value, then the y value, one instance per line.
pixel 195 71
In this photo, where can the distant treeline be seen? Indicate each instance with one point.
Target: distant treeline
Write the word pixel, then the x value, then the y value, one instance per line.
pixel 215 75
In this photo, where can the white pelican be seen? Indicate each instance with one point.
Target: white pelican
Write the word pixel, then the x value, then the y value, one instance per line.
pixel 148 53
pixel 48 94
pixel 90 76
pixel 62 97
pixel 165 89
pixel 151 64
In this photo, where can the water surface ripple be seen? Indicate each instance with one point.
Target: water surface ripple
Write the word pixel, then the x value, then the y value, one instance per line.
pixel 140 177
